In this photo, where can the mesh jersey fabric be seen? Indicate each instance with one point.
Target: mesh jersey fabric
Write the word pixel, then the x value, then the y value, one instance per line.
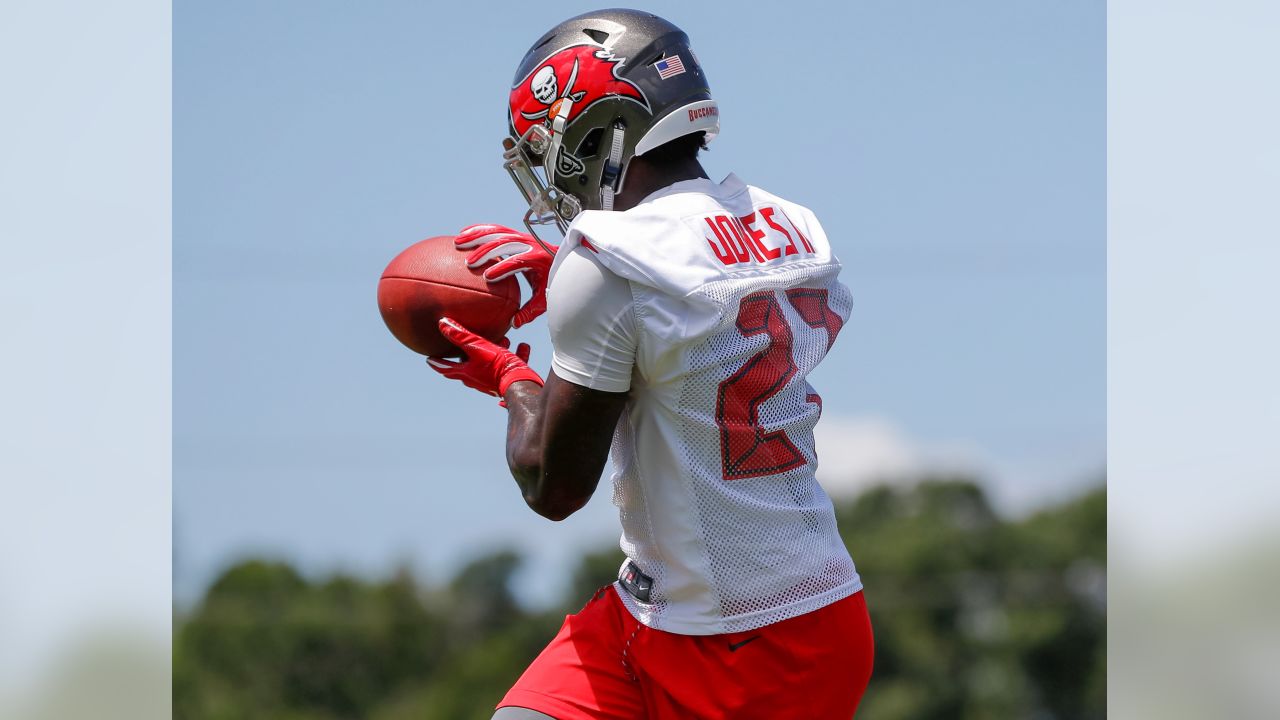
pixel 735 299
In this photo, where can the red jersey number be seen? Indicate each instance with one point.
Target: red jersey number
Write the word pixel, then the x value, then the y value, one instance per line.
pixel 746 450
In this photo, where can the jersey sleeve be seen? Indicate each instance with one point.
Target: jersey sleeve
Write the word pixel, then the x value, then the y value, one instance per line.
pixel 591 318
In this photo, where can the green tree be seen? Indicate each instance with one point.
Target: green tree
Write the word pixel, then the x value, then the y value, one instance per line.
pixel 267 643
pixel 975 616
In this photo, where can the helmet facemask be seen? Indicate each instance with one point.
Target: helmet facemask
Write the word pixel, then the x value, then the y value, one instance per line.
pixel 548 205
pixel 558 182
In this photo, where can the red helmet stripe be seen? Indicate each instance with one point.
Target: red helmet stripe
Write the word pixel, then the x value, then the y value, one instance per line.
pixel 582 73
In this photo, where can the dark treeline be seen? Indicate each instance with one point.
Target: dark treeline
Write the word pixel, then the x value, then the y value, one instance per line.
pixel 975 616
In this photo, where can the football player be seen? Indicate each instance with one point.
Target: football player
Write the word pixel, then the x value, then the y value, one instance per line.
pixel 684 316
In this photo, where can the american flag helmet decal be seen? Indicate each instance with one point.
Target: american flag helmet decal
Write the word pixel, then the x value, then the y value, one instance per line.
pixel 669 67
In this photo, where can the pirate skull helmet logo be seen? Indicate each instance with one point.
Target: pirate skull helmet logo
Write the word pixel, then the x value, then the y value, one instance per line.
pixel 582 74
pixel 545 85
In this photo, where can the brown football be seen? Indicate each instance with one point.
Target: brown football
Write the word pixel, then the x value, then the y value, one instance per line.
pixel 431 279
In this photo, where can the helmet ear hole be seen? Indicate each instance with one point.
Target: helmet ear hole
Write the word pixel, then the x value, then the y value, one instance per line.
pixel 590 145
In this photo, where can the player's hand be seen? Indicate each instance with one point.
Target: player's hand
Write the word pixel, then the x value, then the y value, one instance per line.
pixel 488 367
pixel 520 252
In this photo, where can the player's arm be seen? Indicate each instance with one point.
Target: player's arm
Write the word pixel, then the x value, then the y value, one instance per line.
pixel 558 436
pixel 558 439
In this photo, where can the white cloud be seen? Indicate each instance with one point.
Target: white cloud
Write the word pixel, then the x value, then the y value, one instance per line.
pixel 855 453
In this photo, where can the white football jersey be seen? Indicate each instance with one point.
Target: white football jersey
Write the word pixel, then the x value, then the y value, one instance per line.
pixel 735 300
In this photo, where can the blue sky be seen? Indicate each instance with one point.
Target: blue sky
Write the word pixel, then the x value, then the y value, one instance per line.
pixel 954 152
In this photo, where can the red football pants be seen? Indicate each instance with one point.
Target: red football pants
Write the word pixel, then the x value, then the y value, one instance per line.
pixel 605 664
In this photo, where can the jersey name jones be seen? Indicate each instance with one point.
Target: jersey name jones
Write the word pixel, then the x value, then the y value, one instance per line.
pixel 757 237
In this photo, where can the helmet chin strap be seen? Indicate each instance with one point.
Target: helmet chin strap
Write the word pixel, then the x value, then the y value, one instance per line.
pixel 611 180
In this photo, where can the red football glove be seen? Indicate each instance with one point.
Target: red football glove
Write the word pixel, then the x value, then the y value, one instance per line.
pixel 488 367
pixel 520 253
